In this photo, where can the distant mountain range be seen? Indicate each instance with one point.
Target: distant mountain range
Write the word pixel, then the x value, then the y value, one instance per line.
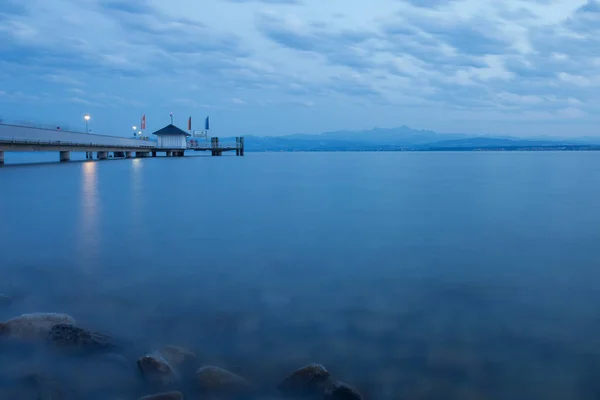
pixel 407 139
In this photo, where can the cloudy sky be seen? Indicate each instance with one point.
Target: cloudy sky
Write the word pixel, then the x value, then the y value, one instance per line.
pixel 516 67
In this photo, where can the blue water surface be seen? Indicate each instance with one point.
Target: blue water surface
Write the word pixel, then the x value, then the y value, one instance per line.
pixel 409 275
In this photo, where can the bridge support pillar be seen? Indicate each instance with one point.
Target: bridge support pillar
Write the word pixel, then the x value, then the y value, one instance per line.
pixel 129 154
pixel 153 154
pixel 65 156
pixel 1 158
pixel 102 155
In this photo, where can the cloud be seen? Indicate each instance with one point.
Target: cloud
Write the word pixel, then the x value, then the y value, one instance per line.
pixel 286 2
pixel 390 61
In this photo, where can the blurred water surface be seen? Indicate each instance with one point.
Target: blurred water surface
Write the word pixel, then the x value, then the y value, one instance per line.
pixel 409 275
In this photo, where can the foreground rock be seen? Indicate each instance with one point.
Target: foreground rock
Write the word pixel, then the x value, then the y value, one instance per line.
pixel 217 380
pixel 157 371
pixel 310 380
pixel 33 326
pixel 164 396
pixel 341 391
pixel 73 338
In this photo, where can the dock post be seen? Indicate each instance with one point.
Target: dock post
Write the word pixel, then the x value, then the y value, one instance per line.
pixel 102 155
pixel 64 156
pixel 212 146
pixel 237 146
pixel 242 146
pixel 1 158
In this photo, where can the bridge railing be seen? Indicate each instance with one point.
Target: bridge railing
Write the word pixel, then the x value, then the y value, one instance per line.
pixel 31 135
pixel 207 145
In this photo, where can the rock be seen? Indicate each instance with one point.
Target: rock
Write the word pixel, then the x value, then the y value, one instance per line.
pixel 156 370
pixel 341 391
pixel 164 396
pixel 178 355
pixel 33 326
pixel 218 380
pixel 5 301
pixel 73 338
pixel 309 380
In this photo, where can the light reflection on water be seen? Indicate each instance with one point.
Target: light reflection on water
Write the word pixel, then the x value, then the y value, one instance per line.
pixel 88 250
pixel 429 276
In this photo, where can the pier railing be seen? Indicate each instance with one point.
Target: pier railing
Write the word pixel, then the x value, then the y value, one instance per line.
pixel 208 145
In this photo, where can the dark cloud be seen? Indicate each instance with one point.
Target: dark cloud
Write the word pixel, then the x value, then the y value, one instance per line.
pixel 179 37
pixel 289 2
pixel 429 3
pixel 591 6
pixel 339 48
pixel 12 7
pixel 127 6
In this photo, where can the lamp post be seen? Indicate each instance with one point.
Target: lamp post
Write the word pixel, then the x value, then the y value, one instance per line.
pixel 134 129
pixel 140 133
pixel 87 119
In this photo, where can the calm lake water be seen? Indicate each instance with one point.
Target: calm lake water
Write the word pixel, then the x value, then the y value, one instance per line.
pixel 408 275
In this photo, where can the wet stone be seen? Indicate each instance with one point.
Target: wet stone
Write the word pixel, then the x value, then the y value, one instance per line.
pixel 218 380
pixel 178 356
pixel 341 391
pixel 73 338
pixel 33 326
pixel 164 396
pixel 157 371
pixel 309 380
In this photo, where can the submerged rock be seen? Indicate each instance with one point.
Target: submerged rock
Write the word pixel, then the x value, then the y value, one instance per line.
pixel 164 396
pixel 178 356
pixel 218 380
pixel 74 338
pixel 309 380
pixel 156 370
pixel 341 391
pixel 33 326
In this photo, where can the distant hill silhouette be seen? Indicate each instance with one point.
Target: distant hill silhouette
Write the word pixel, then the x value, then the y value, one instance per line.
pixel 406 139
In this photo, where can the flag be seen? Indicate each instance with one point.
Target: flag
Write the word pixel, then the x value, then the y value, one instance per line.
pixel 206 124
pixel 190 124
pixel 143 125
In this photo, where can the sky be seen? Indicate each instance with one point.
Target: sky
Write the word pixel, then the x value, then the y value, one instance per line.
pixel 275 67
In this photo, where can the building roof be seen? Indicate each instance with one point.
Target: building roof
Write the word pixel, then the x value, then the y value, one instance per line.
pixel 171 130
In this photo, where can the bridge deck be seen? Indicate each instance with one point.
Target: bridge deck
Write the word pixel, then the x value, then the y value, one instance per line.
pixel 23 138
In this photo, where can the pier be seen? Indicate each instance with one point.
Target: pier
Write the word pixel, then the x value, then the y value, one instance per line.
pixel 27 139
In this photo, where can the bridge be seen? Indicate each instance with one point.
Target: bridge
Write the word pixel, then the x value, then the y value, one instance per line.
pixel 24 138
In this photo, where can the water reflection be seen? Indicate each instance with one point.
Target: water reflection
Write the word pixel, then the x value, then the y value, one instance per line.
pixel 89 245
pixel 136 187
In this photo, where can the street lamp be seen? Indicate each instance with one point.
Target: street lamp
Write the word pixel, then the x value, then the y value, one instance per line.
pixel 87 119
pixel 134 129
